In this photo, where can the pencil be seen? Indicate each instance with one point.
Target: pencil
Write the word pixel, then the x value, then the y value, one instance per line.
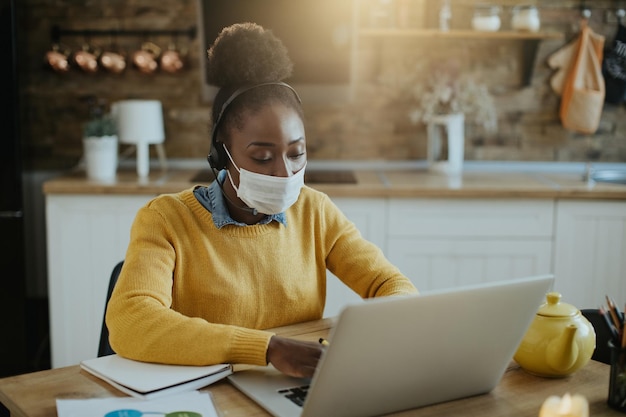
pixel 614 318
pixel 323 342
pixel 618 318
pixel 609 325
pixel 624 328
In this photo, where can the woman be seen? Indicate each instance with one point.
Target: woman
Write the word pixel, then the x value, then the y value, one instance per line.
pixel 209 268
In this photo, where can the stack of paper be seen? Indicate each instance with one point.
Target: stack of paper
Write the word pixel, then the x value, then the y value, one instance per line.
pixel 152 380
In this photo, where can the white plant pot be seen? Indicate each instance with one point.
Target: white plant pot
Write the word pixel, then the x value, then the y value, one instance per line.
pixel 101 157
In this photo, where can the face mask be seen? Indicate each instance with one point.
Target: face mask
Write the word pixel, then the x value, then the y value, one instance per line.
pixel 266 193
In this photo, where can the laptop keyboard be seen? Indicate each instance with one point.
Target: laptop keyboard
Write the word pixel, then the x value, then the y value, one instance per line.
pixel 296 394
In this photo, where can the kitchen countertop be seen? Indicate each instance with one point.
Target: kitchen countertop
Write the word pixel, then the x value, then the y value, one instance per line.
pixel 395 180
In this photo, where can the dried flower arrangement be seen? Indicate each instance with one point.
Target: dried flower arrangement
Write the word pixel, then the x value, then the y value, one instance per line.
pixel 438 89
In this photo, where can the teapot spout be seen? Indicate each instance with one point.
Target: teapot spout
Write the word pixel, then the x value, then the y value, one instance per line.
pixel 562 352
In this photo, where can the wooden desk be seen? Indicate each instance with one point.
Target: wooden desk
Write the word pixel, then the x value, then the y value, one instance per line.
pixel 518 394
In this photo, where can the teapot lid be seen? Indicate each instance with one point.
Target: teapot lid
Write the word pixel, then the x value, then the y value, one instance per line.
pixel 555 308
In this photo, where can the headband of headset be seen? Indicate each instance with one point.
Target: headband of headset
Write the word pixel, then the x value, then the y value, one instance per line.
pixel 217 156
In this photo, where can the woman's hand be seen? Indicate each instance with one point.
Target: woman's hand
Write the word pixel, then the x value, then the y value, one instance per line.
pixel 294 357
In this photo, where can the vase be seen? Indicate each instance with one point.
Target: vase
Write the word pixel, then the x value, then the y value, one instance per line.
pixel 100 157
pixel 448 130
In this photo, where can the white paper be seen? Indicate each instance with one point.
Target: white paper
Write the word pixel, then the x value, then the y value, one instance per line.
pixel 179 405
pixel 151 380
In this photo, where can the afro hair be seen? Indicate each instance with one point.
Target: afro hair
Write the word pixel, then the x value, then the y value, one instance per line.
pixel 246 54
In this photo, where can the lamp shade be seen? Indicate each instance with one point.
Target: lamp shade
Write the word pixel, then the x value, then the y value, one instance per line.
pixel 139 121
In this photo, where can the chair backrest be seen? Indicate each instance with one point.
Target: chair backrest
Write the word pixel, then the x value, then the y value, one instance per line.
pixel 602 352
pixel 104 348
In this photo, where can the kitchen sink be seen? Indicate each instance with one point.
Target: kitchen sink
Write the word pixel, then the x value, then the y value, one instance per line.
pixel 310 177
pixel 613 176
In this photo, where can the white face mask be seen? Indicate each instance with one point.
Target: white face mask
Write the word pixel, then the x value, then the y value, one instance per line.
pixel 265 193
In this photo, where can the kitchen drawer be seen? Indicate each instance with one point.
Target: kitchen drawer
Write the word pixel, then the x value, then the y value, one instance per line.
pixel 470 218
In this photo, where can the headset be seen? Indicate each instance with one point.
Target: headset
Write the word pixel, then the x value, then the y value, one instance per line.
pixel 217 155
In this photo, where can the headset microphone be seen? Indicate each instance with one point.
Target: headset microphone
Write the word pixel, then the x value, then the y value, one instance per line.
pixel 250 210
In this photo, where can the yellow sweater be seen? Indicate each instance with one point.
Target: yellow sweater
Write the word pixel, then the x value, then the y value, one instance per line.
pixel 190 293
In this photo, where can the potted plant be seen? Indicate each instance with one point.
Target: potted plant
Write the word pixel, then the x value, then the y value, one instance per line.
pixel 100 144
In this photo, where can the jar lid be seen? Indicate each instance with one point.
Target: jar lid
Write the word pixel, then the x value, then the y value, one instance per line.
pixel 524 7
pixel 487 8
pixel 553 307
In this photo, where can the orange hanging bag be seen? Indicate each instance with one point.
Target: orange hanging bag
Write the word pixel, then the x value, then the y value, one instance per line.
pixel 584 89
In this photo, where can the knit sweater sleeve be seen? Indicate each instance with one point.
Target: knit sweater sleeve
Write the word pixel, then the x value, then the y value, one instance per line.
pixel 357 262
pixel 143 326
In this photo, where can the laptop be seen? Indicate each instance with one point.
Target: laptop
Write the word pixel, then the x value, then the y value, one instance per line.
pixel 397 353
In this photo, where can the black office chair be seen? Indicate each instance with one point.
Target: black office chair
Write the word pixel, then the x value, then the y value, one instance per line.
pixel 104 348
pixel 602 352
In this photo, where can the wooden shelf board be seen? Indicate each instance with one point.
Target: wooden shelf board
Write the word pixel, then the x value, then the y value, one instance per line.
pixel 467 34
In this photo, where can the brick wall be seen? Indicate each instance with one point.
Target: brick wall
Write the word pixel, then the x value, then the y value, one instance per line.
pixel 54 105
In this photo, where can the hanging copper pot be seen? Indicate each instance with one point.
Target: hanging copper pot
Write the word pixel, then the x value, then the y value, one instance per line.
pixel 113 61
pixel 146 59
pixel 87 59
pixel 172 60
pixel 57 59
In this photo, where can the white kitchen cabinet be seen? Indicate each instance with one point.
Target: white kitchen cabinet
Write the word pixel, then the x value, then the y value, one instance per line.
pixel 590 252
pixel 436 242
pixel 440 243
pixel 87 235
pixel 369 216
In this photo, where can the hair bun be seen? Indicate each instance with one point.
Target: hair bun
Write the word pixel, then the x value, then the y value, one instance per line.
pixel 247 53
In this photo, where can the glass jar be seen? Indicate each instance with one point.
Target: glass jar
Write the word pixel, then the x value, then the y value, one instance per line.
pixel 486 18
pixel 382 14
pixel 445 14
pixel 525 18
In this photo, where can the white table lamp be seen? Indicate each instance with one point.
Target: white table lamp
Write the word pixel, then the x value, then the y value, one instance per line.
pixel 140 123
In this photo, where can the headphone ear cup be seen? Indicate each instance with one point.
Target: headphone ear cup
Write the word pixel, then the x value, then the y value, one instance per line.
pixel 217 155
pixel 216 159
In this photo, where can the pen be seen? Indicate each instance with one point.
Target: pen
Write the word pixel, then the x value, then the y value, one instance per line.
pixel 323 342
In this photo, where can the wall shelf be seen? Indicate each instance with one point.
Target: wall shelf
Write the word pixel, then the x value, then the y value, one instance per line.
pixel 530 40
pixel 455 34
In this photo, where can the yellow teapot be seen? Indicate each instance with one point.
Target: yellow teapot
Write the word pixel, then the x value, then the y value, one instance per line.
pixel 559 341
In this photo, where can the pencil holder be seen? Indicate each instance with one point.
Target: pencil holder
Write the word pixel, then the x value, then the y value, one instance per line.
pixel 617 381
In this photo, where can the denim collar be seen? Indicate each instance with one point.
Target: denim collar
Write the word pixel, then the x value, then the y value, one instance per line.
pixel 213 200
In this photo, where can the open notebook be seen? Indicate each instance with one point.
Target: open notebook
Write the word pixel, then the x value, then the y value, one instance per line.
pixel 153 380
pixel 397 353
